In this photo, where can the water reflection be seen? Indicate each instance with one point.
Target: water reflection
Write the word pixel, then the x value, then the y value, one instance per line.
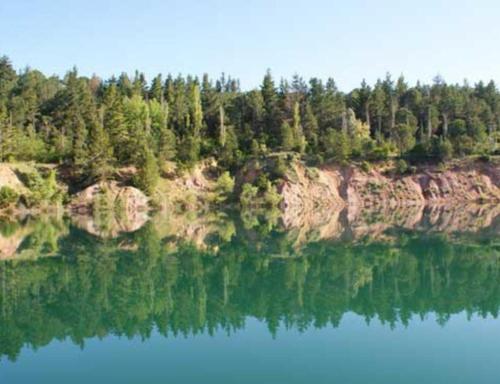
pixel 186 274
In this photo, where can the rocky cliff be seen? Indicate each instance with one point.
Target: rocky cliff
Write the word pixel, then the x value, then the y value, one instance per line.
pixel 307 189
pixel 331 202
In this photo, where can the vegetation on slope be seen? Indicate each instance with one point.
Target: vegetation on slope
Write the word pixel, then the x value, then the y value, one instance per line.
pixel 95 126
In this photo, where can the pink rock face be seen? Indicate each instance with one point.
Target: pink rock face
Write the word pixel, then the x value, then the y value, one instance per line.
pixel 133 209
pixel 314 203
pixel 133 200
pixel 335 186
pixel 9 178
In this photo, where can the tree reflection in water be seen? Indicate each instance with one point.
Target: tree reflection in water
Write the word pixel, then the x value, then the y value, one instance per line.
pixel 65 283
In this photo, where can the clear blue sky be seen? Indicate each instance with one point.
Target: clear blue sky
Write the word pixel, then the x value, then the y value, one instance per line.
pixel 348 40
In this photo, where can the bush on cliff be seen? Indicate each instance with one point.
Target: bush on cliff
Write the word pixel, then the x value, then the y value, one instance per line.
pixel 8 196
pixel 42 190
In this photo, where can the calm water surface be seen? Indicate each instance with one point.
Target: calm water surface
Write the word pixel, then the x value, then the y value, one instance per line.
pixel 225 301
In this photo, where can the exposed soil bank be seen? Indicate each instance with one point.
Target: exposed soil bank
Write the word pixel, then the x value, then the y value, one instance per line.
pixel 305 189
pixel 307 192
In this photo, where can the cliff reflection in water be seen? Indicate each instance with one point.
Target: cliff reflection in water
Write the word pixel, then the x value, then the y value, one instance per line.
pixel 188 275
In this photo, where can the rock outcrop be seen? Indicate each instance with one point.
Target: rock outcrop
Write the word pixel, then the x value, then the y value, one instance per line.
pixel 305 189
pixel 130 200
pixel 108 209
pixel 9 178
pixel 187 189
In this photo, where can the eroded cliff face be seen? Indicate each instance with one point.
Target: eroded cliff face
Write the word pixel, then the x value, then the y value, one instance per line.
pixel 189 190
pixel 305 189
pixel 334 202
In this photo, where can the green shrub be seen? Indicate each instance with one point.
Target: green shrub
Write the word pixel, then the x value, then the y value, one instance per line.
pixel 271 196
pixel 248 195
pixel 366 166
pixel 314 160
pixel 444 149
pixel 224 188
pixel 225 183
pixel 261 182
pixel 7 196
pixel 381 151
pixel 312 173
pixel 42 190
pixel 278 170
pixel 337 145
pixel 464 145
pixel 8 227
pixel 401 166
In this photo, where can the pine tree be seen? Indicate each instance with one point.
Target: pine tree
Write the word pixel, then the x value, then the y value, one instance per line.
pixel 311 128
pixel 100 151
pixel 163 138
pixel 148 174
pixel 196 110
pixel 271 112
pixel 156 90
pixel 287 137
pixel 137 120
pixel 298 134
pixel 114 122
pixel 79 143
pixel 8 79
pixel 378 100
pixel 8 137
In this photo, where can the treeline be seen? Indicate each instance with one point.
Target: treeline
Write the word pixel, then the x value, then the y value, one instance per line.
pixel 95 288
pixel 95 125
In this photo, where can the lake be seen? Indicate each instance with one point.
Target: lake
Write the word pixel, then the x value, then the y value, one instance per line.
pixel 230 298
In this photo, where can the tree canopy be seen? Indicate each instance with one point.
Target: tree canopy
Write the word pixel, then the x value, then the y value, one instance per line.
pixel 95 125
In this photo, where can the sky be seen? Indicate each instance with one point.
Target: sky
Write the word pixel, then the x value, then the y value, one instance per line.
pixel 348 40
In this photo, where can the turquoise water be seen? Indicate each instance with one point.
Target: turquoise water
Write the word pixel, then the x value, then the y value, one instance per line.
pixel 227 302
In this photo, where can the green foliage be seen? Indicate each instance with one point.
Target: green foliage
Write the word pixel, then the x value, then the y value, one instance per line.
pixel 248 195
pixel 101 153
pixel 337 145
pixel 381 151
pixel 278 168
pixel 271 196
pixel 366 166
pixel 262 181
pixel 224 186
pixel 189 150
pixel 136 283
pixel 42 190
pixel 444 149
pixel 95 125
pixel 404 138
pixel 401 167
pixel 148 173
pixel 8 196
pixel 225 183
pixel 287 139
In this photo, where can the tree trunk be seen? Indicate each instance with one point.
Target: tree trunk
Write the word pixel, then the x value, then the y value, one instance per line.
pixel 222 132
pixel 445 124
pixel 429 123
pixel 379 128
pixel 367 116
pixel 393 116
pixel 344 122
